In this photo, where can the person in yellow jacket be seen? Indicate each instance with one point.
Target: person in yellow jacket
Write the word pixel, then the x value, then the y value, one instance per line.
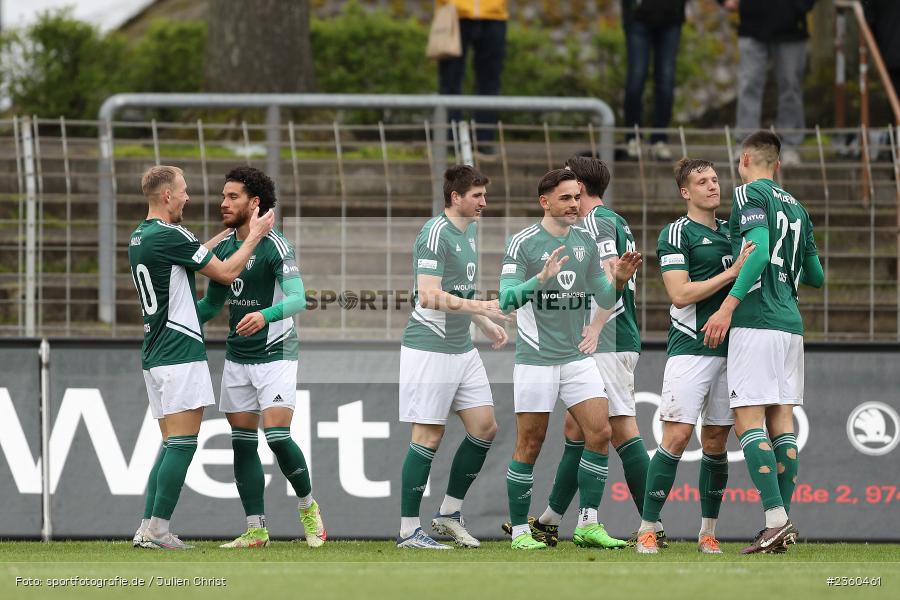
pixel 482 25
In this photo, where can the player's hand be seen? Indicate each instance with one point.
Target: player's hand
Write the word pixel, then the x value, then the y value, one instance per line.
pixel 590 336
pixel 495 333
pixel 746 250
pixel 732 5
pixel 716 327
pixel 553 265
pixel 626 267
pixel 261 226
pixel 250 324
pixel 491 310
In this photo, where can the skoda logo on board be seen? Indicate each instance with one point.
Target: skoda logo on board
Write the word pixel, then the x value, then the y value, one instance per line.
pixel 874 428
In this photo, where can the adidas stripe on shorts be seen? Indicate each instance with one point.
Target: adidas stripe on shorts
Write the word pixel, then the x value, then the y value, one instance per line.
pixel 765 367
pixel 695 386
pixel 254 388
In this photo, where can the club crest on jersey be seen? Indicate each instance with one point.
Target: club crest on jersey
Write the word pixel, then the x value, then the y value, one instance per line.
pixel 250 262
pixel 566 279
pixel 579 253
pixel 237 286
pixel 470 271
pixel 472 244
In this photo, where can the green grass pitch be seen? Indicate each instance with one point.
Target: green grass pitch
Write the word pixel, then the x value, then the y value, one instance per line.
pixel 377 569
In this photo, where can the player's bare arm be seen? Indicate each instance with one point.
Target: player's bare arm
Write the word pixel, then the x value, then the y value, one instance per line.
pixel 214 241
pixel 591 332
pixel 432 296
pixel 684 292
pixel 225 272
pixel 494 332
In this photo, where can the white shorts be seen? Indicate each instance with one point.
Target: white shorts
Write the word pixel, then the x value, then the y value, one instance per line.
pixel 537 388
pixel 254 388
pixel 765 367
pixel 177 388
pixel 694 386
pixel 617 371
pixel 435 384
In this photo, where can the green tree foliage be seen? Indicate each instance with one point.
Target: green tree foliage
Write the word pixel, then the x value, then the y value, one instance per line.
pixel 371 52
pixel 60 66
pixel 63 66
pixel 168 58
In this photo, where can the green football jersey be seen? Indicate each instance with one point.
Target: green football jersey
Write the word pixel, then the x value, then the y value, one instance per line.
pixel 443 250
pixel 686 245
pixel 614 238
pixel 772 301
pixel 163 259
pixel 550 324
pixel 258 287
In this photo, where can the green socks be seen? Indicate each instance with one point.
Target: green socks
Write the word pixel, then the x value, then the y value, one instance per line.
pixel 713 479
pixel 248 470
pixel 592 473
pixel 787 462
pixel 760 461
pixel 566 482
pixel 151 483
pixel 635 463
pixel 660 477
pixel 466 465
pixel 290 459
pixel 519 483
pixel 413 479
pixel 172 470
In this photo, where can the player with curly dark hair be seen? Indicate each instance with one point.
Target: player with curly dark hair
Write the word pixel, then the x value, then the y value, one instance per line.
pixel 257 185
pixel 261 358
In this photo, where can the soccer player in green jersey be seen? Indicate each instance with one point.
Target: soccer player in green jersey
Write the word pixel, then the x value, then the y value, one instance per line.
pixel 697 268
pixel 440 369
pixel 765 354
pixel 550 273
pixel 261 357
pixel 164 256
pixel 613 338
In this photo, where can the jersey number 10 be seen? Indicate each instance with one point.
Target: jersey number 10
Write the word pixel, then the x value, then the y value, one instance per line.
pixel 141 277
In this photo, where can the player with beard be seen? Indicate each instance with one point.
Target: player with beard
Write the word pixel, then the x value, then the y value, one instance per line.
pixel 164 257
pixel 261 357
pixel 551 272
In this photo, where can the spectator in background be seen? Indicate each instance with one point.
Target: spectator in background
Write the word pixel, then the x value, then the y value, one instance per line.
pixel 776 29
pixel 482 25
pixel 884 19
pixel 651 26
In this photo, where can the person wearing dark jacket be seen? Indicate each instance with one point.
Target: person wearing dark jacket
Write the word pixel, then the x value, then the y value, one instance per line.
pixel 884 19
pixel 777 29
pixel 651 26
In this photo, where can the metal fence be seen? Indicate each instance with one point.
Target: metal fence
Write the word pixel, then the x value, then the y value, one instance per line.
pixel 352 175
